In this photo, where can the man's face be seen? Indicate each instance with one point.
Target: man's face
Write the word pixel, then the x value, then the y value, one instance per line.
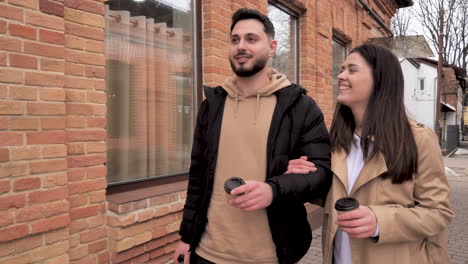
pixel 251 48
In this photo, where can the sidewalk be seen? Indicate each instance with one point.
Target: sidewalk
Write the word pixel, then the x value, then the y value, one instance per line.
pixel 457 230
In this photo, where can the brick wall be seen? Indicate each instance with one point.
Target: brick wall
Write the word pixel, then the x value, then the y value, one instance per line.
pixel 53 206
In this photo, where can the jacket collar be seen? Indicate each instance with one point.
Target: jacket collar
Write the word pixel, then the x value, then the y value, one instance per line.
pixel 372 169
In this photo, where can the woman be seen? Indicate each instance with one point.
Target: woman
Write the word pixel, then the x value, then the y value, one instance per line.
pixel 390 164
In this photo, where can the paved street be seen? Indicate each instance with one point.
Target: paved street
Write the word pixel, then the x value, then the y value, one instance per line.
pixel 458 229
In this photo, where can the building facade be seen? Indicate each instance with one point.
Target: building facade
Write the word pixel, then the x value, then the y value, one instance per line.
pixel 97 107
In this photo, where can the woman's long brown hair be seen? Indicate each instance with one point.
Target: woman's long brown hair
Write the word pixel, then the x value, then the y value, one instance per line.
pixel 385 122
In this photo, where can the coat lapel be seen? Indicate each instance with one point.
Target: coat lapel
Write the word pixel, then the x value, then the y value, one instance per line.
pixel 340 167
pixel 372 169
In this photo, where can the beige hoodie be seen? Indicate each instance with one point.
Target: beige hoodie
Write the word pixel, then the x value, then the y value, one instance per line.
pixel 233 236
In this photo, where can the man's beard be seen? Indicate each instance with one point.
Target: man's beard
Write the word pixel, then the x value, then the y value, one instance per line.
pixel 242 71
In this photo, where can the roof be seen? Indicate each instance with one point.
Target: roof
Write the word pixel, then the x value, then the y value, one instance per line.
pixel 459 71
pixel 404 3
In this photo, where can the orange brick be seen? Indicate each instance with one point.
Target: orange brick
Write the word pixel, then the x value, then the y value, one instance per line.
pixel 43 20
pixel 52 65
pixel 11 12
pixel 121 221
pixel 97 197
pixel 22 31
pixel 54 151
pixel 85 5
pixel 48 195
pixel 97 172
pixel 94 46
pixel 52 37
pixel 84 212
pixel 96 147
pixel 11 108
pixel 75 121
pixel 85 57
pixel 29 214
pixel 23 93
pixel 74 42
pixel 48 166
pixel 34 108
pixel 3 27
pixel 12 201
pixel 93 235
pixel 80 109
pixel 24 123
pixel 6 218
pixel 75 70
pixel 27 243
pixel 4 122
pixel 11 139
pixel 96 97
pixel 15 232
pixel 23 61
pixel 46 50
pixel 27 184
pixel 75 148
pixel 85 135
pixel 86 160
pixel 52 94
pixel 97 246
pixel 55 222
pixel 77 200
pixel 10 76
pixel 44 79
pixel 96 221
pixel 96 122
pixel 95 72
pixel 25 153
pixel 84 31
pixel 3 58
pixel 24 3
pixel 3 91
pixel 55 180
pixel 10 44
pixel 56 208
pixel 75 96
pixel 57 235
pixel 78 252
pixel 49 137
pixel 87 186
pixel 100 85
pixel 4 188
pixel 4 156
pixel 53 123
pixel 85 18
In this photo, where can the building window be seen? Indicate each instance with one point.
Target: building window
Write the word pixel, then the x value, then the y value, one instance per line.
pixel 338 57
pixel 286 26
pixel 150 78
pixel 421 84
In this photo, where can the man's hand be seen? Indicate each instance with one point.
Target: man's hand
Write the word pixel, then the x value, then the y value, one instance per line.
pixel 300 166
pixel 255 195
pixel 359 223
pixel 182 249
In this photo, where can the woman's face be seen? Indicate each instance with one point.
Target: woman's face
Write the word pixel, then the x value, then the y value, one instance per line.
pixel 355 82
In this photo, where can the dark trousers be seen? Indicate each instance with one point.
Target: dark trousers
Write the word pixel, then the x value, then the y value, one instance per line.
pixel 195 259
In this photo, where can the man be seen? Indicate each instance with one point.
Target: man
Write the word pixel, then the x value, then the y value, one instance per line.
pixel 250 127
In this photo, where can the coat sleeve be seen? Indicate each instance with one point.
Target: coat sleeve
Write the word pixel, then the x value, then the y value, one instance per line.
pixel 315 144
pixel 195 185
pixel 431 213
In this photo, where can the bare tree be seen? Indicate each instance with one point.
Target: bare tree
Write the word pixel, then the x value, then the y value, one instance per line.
pixel 400 22
pixel 455 40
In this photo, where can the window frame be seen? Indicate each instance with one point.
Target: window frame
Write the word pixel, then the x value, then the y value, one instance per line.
pixel 343 43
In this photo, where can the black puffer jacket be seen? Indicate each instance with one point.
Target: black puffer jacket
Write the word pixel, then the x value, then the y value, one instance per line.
pixel 297 129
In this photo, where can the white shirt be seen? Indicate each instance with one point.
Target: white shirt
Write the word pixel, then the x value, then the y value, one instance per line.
pixel 355 162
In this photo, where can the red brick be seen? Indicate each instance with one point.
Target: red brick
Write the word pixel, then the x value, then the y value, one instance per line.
pixel 77 200
pixel 34 108
pixel 80 109
pixel 22 31
pixel 12 201
pixel 84 31
pixel 56 208
pixel 76 174
pixel 29 214
pixel 22 61
pixel 27 184
pixel 52 37
pixel 97 197
pixel 26 153
pixel 96 97
pixel 78 226
pixel 94 46
pixel 75 70
pixel 75 96
pixel 84 212
pixel 85 57
pixel 46 50
pixel 96 122
pixel 86 160
pixel 15 232
pixel 97 172
pixel 11 12
pixel 52 94
pixel 10 76
pixel 44 79
pixel 23 93
pixel 85 135
pixel 54 151
pixel 49 137
pixel 87 186
pixel 74 42
pixel 55 180
pixel 93 235
pixel 3 88
pixel 53 123
pixel 128 254
pixel 75 148
pixel 11 139
pixel 48 195
pixel 85 18
pixel 50 224
pixel 52 65
pixel 6 218
pixel 95 72
pixel 4 122
pixel 11 108
pixel 85 5
pixel 96 147
pixel 104 257
pixel 24 3
pixel 13 169
pixel 24 123
pixel 3 27
pixel 4 156
pixel 75 121
pixel 48 166
pixel 97 246
pixel 43 20
pixel 27 243
pixel 57 235
pixel 51 8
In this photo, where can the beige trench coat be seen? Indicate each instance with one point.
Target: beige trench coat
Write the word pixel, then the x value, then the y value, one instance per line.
pixel 412 216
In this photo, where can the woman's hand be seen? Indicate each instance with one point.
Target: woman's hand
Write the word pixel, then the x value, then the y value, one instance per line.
pixel 359 223
pixel 300 166
pixel 182 249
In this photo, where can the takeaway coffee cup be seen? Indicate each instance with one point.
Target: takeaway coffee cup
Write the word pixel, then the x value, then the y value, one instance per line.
pixel 232 183
pixel 346 204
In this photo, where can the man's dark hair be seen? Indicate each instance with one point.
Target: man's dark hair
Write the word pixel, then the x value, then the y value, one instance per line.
pixel 246 13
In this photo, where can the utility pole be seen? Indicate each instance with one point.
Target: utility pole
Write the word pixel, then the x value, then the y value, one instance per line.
pixel 439 72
